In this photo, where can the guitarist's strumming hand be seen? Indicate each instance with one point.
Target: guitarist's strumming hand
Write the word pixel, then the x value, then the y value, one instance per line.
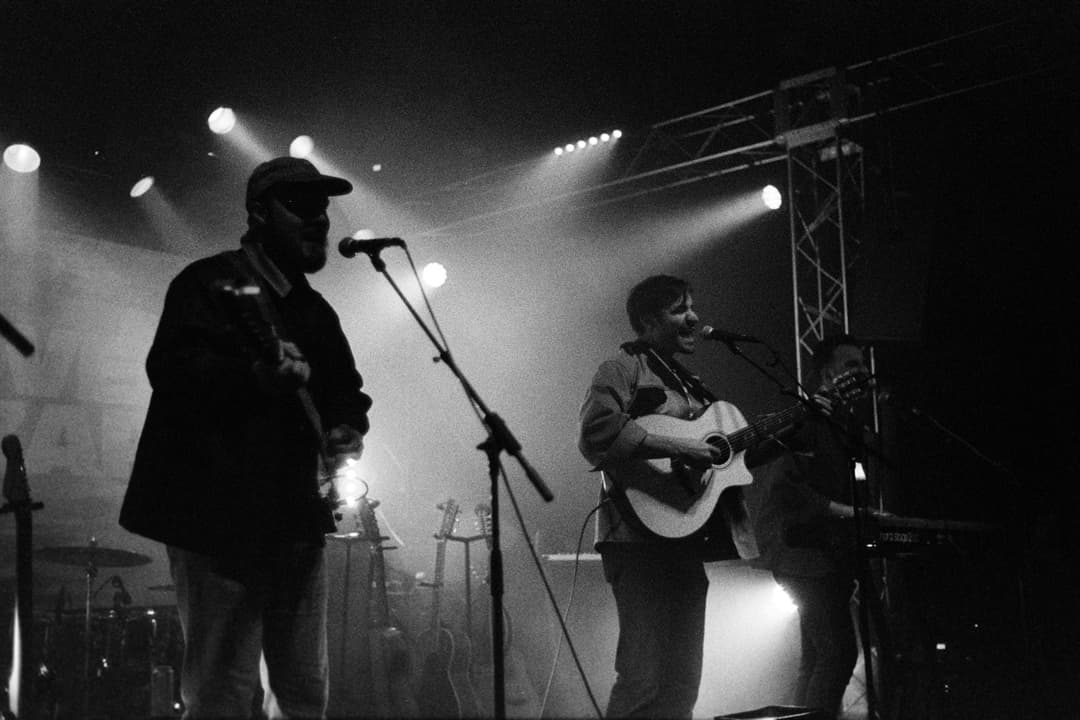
pixel 692 452
pixel 289 373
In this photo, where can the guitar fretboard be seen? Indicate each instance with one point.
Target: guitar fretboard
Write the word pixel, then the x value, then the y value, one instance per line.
pixel 767 427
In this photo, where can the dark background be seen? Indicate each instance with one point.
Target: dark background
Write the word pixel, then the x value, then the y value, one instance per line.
pixel 967 281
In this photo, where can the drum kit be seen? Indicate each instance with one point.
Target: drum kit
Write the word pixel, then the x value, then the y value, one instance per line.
pixel 118 662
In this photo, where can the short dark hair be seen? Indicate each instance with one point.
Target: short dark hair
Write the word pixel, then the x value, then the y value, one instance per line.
pixel 824 349
pixel 652 295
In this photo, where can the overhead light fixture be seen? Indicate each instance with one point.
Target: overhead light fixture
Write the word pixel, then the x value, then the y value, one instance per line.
pixel 592 141
pixel 301 146
pixel 770 195
pixel 221 120
pixel 434 274
pixel 142 186
pixel 22 158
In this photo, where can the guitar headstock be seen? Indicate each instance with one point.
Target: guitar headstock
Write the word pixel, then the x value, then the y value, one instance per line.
pixel 16 489
pixel 450 510
pixel 249 305
pixel 483 522
pixel 849 386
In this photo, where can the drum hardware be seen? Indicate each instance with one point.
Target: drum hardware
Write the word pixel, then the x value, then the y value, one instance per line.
pixel 90 557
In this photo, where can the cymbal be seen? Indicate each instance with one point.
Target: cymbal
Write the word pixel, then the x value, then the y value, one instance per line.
pixel 87 555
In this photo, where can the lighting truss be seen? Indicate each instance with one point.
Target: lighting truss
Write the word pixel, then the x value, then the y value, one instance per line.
pixel 809 123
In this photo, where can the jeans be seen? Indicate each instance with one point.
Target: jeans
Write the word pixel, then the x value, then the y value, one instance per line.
pixel 660 597
pixel 273 615
pixel 829 647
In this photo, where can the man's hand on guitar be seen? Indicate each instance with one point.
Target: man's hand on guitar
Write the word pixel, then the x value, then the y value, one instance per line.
pixel 698 454
pixel 691 452
pixel 290 372
pixel 343 442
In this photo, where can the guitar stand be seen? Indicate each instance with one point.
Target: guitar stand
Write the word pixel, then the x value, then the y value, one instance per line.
pixel 467 543
pixel 499 439
pixel 349 539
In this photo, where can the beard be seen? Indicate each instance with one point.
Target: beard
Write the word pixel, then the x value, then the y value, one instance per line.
pixel 312 256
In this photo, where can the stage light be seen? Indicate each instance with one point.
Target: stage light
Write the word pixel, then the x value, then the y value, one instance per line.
pixel 434 274
pixel 350 486
pixel 616 134
pixel 581 143
pixel 142 186
pixel 593 140
pixel 22 158
pixel 377 167
pixel 221 120
pixel 558 151
pixel 301 147
pixel 604 137
pixel 569 147
pixel 772 198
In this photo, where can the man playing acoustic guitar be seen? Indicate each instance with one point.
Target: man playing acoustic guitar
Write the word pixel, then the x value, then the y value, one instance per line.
pixel 659 583
pixel 226 474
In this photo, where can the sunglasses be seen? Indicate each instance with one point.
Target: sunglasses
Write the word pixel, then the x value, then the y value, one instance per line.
pixel 306 207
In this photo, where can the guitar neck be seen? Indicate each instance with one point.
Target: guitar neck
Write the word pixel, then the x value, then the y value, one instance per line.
pixel 765 428
pixel 436 585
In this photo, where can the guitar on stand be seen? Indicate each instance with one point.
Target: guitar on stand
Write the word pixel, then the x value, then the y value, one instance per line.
pixel 18 698
pixel 522 699
pixel 389 653
pixel 443 652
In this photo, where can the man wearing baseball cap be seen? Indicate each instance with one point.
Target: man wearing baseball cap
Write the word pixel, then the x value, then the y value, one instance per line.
pixel 256 398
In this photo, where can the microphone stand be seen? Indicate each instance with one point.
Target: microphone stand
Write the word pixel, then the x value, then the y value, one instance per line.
pixel 16 338
pixel 499 439
pixel 861 557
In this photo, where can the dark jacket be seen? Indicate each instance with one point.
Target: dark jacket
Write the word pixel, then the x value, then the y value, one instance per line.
pixel 794 531
pixel 221 466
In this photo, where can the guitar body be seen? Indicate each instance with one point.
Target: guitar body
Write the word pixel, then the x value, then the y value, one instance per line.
pixel 671 499
pixel 389 652
pixel 461 676
pixel 437 696
pixel 391 664
pixel 522 700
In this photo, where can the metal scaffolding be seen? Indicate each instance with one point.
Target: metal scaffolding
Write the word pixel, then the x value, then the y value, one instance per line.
pixel 809 123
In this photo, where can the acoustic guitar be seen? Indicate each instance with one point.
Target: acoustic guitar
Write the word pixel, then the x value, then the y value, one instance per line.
pixel 389 652
pixel 673 500
pixel 438 697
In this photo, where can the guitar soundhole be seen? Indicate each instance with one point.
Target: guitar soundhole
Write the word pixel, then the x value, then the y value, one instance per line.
pixel 720 441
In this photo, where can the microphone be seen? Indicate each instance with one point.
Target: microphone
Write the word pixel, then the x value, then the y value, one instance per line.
pixel 348 247
pixel 710 333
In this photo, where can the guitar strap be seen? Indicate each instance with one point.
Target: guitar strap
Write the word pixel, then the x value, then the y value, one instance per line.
pixel 249 273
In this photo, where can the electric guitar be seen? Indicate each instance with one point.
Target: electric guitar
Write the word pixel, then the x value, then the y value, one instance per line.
pixel 521 697
pixel 438 696
pixel 18 699
pixel 257 319
pixel 389 652
pixel 673 500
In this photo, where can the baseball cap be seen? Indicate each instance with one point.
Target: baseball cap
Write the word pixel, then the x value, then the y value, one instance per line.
pixel 291 170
